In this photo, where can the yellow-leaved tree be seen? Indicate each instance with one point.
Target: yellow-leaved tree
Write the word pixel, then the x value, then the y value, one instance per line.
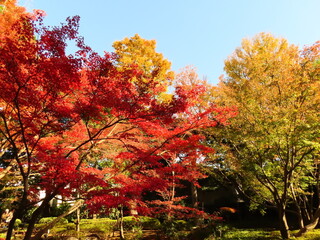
pixel 141 54
pixel 272 144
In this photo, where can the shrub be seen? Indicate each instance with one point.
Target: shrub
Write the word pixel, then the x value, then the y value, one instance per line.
pixel 99 224
pixel 27 214
pixel 149 223
pixel 169 229
pixel 58 210
pixel 136 233
pixel 49 219
pixel 182 225
pixel 210 231
pixel 17 223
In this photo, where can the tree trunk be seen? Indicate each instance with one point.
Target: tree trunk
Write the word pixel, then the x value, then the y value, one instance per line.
pixel 283 224
pixel 311 225
pixel 121 224
pixel 35 216
pixel 78 218
pixel 10 227
pixel 305 210
pixel 299 214
pixel 18 213
pixel 194 195
pixel 73 208
pixel 297 206
pixel 300 219
pixel 78 222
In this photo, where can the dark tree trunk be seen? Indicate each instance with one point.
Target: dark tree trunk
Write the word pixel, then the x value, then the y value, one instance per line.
pixel 78 221
pixel 194 196
pixel 310 226
pixel 18 213
pixel 35 217
pixel 121 224
pixel 283 224
pixel 10 227
pixel 73 208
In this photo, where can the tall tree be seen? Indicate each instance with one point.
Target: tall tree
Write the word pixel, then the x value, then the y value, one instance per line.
pixel 153 67
pixel 205 100
pixel 270 142
pixel 136 51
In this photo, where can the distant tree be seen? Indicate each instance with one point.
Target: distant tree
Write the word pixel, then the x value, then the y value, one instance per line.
pixel 271 145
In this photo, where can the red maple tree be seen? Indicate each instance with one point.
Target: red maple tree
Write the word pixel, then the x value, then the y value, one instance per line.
pixel 75 125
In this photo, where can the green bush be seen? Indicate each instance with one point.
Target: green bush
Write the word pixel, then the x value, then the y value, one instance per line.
pixel 182 225
pixel 143 222
pixel 62 208
pixel 210 231
pixel 136 234
pixel 129 223
pixel 17 223
pixel 99 224
pixel 49 219
pixel 149 223
pixel 27 214
pixel 170 230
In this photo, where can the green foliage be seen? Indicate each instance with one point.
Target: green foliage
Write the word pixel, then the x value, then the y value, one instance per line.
pixel 17 223
pixel 62 228
pixel 99 224
pixel 172 229
pixel 62 208
pixel 27 214
pixel 169 229
pixel 251 234
pixel 265 234
pixel 129 222
pixel 271 146
pixel 135 225
pixel 50 219
pixel 136 234
pixel 149 223
pixel 211 230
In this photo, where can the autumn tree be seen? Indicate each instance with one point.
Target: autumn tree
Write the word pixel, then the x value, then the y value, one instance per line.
pixel 271 144
pixel 87 125
pixel 141 53
pixel 136 51
pixel 189 78
pixel 308 201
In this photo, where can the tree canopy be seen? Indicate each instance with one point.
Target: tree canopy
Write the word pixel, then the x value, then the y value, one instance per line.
pixel 272 142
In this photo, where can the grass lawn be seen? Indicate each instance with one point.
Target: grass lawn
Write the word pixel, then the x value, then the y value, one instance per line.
pixel 104 228
pixel 260 234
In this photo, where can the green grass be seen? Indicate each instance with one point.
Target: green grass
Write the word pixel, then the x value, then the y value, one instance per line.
pixel 251 234
pixel 263 234
pixel 104 226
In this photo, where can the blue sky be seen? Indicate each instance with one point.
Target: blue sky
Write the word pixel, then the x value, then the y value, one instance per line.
pixel 202 33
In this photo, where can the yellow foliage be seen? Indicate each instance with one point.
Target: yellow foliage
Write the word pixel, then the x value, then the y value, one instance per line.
pixel 141 53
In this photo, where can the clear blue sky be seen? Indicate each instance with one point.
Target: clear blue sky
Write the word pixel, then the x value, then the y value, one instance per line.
pixel 202 33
